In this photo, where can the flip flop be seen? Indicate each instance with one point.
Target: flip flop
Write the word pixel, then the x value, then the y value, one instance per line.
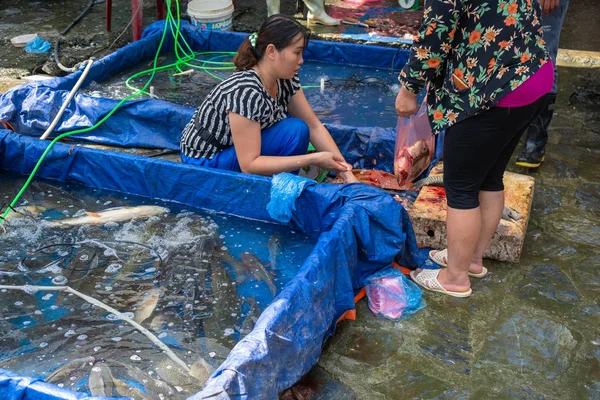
pixel 427 279
pixel 441 257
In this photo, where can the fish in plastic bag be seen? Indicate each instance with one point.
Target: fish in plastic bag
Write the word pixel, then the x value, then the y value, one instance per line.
pixel 414 147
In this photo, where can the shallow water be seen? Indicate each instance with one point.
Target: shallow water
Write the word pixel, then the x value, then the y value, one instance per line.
pixel 339 94
pixel 531 330
pixel 188 277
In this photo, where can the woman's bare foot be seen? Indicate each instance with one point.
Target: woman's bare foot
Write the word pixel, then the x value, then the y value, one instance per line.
pixel 475 268
pixel 453 283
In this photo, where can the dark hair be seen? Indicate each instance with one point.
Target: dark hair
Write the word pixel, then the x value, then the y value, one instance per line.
pixel 278 30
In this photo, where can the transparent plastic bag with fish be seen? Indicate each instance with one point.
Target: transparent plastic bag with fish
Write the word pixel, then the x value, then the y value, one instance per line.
pixel 415 144
pixel 392 296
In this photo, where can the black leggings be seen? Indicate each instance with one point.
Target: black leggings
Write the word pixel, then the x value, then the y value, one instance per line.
pixel 478 149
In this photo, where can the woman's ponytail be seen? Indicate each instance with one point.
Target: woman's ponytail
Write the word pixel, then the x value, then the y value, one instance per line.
pixel 245 57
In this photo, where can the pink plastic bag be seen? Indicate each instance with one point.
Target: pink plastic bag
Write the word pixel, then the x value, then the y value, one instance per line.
pixel 382 303
pixel 414 147
pixel 392 296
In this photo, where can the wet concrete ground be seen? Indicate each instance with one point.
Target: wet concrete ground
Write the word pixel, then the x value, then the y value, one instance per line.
pixel 530 331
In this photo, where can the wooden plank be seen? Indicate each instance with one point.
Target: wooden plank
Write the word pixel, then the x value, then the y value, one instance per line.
pixel 428 216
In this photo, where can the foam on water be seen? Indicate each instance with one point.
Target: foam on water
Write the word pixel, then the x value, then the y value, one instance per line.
pixel 59 280
pixel 113 268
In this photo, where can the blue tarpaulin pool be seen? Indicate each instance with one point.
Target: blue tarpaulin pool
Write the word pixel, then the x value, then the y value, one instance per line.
pixel 360 229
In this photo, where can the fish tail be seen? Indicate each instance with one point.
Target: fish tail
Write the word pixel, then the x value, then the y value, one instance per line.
pixel 272 288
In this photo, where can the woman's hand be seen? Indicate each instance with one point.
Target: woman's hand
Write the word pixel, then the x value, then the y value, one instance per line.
pixel 549 5
pixel 348 177
pixel 330 162
pixel 406 103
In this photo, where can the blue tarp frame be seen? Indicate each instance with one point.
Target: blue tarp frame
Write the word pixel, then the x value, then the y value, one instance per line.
pixel 360 229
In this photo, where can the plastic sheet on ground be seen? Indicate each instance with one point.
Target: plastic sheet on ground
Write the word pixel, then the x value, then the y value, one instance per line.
pixel 360 229
pixel 13 386
pixel 37 45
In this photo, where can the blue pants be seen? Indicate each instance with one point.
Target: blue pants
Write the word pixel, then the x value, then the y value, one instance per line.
pixel 288 137
pixel 552 25
pixel 537 134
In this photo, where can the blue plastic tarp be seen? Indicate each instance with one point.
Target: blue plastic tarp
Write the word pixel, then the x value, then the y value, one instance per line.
pixel 360 229
pixel 150 123
pixel 16 387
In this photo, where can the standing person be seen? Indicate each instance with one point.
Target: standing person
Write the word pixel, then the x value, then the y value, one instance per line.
pixel 242 125
pixel 316 11
pixel 534 151
pixel 488 75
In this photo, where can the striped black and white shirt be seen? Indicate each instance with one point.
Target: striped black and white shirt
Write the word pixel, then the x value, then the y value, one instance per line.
pixel 242 93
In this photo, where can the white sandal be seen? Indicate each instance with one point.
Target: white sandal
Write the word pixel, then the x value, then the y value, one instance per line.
pixel 440 257
pixel 427 279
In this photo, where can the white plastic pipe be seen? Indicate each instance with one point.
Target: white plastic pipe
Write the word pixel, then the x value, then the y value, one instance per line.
pixel 68 100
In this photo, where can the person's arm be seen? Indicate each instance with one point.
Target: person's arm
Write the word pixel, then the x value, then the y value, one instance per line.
pixel 429 52
pixel 246 140
pixel 319 135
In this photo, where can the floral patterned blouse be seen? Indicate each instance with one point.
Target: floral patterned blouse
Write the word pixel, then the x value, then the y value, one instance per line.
pixel 472 53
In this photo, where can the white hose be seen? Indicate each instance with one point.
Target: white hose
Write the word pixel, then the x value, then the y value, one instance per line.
pixel 68 100
pixel 119 314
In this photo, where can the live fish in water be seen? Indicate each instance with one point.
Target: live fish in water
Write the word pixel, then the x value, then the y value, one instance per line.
pixel 153 387
pixel 201 371
pixel 69 368
pixel 274 246
pixel 101 381
pixel 118 214
pixel 251 317
pixel 31 212
pixel 146 304
pixel 254 266
pixel 213 247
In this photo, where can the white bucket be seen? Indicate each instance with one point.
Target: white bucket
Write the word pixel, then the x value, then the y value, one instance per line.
pixel 211 14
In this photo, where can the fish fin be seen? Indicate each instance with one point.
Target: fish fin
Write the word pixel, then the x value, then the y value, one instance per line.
pixel 273 289
pixel 93 215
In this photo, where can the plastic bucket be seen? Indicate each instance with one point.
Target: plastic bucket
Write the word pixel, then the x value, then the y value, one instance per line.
pixel 211 14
